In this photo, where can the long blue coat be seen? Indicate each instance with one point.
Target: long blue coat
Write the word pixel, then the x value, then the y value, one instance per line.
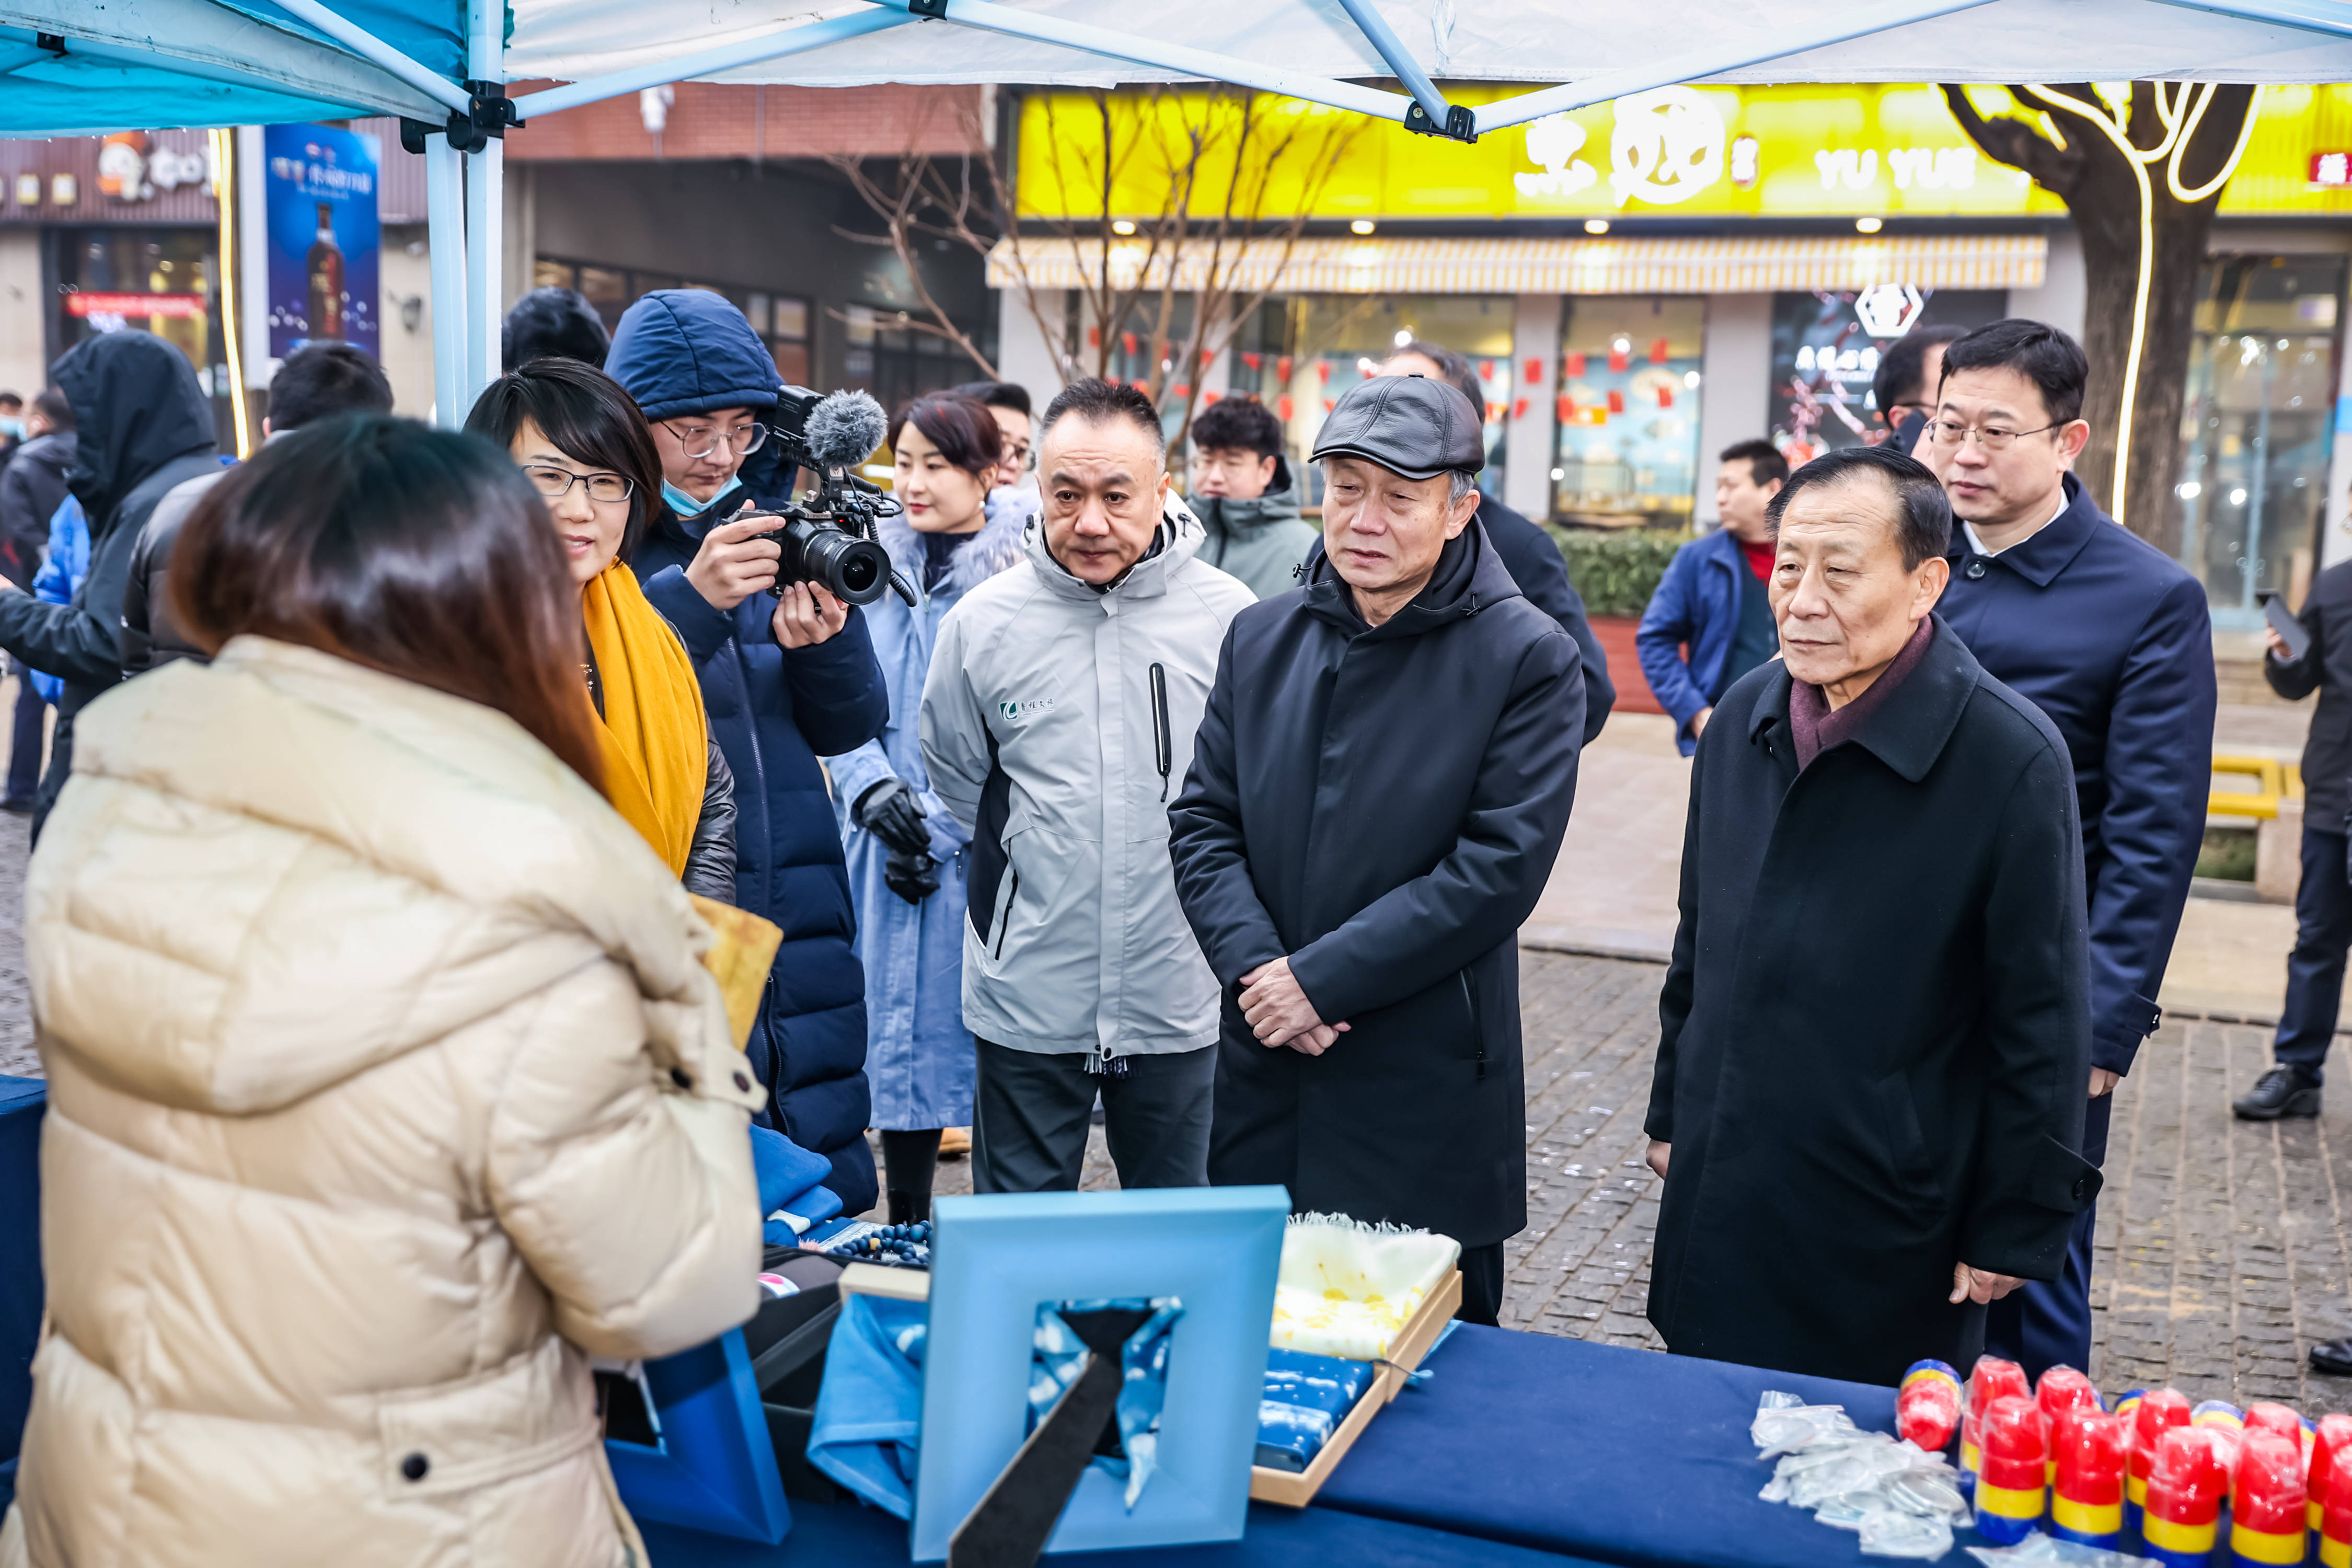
pixel 774 710
pixel 918 1055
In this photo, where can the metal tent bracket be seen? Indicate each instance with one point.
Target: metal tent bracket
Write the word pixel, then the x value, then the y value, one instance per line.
pixel 1461 122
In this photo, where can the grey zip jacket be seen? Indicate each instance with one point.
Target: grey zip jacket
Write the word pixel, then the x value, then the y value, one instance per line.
pixel 1057 724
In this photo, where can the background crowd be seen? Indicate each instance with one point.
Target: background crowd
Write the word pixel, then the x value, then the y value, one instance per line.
pixel 1175 808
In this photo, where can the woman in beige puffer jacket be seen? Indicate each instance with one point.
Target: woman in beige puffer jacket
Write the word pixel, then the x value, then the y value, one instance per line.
pixel 385 1088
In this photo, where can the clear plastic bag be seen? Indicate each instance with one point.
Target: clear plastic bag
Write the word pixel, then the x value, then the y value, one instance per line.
pixel 1789 1428
pixel 1899 1500
pixel 1891 1532
pixel 2048 1549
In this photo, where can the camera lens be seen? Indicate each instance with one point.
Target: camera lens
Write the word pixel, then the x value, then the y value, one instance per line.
pixel 853 569
pixel 859 574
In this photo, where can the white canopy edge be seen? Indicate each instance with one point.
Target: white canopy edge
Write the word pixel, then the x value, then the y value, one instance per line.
pixel 1546 41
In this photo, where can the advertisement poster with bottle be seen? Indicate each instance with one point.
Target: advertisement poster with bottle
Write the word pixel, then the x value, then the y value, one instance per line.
pixel 322 197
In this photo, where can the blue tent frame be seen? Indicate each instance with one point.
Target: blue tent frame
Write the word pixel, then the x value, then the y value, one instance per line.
pixel 69 66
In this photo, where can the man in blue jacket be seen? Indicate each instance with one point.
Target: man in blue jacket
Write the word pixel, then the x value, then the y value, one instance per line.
pixel 2110 638
pixel 1714 597
pixel 787 677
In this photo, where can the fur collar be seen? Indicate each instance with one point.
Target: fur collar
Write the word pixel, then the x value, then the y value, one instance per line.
pixel 996 546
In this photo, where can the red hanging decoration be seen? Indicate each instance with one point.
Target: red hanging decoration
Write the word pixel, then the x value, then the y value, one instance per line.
pixel 1519 409
pixel 1534 377
pixel 1665 397
pixel 1126 341
pixel 1327 405
pixel 1212 395
pixel 1144 387
pixel 1485 370
pixel 1181 389
pixel 1323 371
pixel 1566 408
pixel 1253 361
pixel 1494 412
pixel 1618 358
pixel 1616 400
pixel 1657 351
pixel 1282 369
pixel 1575 364
pixel 1094 337
pixel 1283 408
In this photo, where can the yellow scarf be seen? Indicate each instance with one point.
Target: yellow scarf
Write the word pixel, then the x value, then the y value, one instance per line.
pixel 655 735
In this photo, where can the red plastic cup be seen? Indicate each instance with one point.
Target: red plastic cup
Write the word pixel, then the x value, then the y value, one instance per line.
pixel 1927 1406
pixel 1991 1379
pixel 2268 1506
pixel 2062 1388
pixel 2336 1518
pixel 2009 1487
pixel 2086 1503
pixel 2186 1487
pixel 2159 1413
pixel 2331 1456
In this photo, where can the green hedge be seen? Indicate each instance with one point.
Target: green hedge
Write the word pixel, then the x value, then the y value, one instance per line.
pixel 1616 573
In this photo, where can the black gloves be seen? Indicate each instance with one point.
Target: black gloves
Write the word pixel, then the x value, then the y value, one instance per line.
pixel 889 811
pixel 913 877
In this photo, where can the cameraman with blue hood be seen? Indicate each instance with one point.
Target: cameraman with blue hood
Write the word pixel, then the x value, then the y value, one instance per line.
pixel 786 678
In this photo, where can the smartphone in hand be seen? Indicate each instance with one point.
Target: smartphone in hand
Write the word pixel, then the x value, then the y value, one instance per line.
pixel 2290 630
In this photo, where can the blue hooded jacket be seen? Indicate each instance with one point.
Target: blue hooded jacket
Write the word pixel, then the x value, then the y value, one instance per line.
pixel 774 710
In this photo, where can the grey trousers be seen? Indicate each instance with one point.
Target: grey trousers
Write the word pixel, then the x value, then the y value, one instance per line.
pixel 1030 1110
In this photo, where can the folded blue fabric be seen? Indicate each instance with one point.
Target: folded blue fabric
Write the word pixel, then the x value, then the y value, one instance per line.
pixel 869 1409
pixel 809 1210
pixel 785 1170
pixel 1306 1397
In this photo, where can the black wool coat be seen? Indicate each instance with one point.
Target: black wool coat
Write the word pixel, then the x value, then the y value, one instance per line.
pixel 1382 804
pixel 1875 1032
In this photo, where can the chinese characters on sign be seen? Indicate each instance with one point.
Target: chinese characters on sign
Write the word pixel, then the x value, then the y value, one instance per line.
pixel 323 237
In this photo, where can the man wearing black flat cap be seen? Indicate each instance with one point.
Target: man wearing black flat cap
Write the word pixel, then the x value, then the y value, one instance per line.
pixel 1378 790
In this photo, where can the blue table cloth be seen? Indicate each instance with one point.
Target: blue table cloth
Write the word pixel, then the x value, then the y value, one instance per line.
pixel 849 1535
pixel 1627 1455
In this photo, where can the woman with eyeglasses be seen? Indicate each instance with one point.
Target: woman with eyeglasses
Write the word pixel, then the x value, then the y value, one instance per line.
pixel 586 450
pixel 789 675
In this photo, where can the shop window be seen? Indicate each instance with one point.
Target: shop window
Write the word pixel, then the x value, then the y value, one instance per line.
pixel 1299 353
pixel 2252 489
pixel 156 280
pixel 1628 408
pixel 781 320
pixel 1825 349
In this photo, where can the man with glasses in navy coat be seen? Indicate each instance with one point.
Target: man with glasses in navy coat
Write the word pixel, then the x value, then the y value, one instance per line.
pixel 2110 638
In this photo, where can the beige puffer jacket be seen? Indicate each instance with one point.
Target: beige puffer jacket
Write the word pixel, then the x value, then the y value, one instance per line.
pixel 385 1086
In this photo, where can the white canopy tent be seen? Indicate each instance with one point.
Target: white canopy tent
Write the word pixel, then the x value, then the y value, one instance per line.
pixel 443 64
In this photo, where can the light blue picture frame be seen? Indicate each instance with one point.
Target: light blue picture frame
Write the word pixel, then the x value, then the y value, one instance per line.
pixel 996 1259
pixel 716 1468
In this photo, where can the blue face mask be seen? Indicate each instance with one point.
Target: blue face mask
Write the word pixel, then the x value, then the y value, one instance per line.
pixel 684 505
pixel 12 426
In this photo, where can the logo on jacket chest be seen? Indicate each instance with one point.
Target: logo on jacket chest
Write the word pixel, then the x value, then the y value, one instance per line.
pixel 1020 712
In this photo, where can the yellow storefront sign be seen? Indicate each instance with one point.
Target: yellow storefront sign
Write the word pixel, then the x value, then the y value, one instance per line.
pixel 1755 152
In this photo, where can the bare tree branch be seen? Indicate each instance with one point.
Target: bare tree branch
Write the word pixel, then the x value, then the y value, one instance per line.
pixel 2016 143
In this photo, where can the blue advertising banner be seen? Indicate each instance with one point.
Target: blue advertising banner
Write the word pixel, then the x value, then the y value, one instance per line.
pixel 322 186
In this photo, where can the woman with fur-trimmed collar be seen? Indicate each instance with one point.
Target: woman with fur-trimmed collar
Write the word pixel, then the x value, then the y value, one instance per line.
pixel 907 854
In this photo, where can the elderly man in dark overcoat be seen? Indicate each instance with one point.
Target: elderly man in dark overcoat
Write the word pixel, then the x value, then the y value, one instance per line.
pixel 1378 791
pixel 1868 1102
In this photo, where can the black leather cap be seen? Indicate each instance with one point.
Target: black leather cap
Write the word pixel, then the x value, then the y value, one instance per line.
pixel 1409 424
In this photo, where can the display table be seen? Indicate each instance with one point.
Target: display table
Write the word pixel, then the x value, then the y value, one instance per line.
pixel 854 1537
pixel 1625 1456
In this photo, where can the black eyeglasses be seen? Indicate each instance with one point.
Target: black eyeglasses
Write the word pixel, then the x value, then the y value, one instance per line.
pixel 556 483
pixel 1991 437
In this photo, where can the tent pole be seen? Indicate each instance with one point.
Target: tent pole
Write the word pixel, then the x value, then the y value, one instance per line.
pixel 484 206
pixel 1191 62
pixel 1697 65
pixel 444 224
pixel 2330 16
pixel 686 67
pixel 374 50
pixel 1408 70
pixel 484 264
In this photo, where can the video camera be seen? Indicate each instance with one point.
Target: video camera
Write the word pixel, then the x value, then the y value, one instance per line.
pixel 830 537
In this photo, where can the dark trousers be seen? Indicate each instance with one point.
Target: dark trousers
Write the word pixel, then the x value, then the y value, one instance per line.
pixel 2048 1323
pixel 1030 1110
pixel 2315 970
pixel 1481 1284
pixel 25 742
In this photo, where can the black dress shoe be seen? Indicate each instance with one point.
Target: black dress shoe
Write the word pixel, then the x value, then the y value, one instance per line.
pixel 2333 1356
pixel 2282 1091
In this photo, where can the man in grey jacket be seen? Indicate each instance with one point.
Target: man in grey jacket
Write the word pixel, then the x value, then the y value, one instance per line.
pixel 1056 725
pixel 1247 497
